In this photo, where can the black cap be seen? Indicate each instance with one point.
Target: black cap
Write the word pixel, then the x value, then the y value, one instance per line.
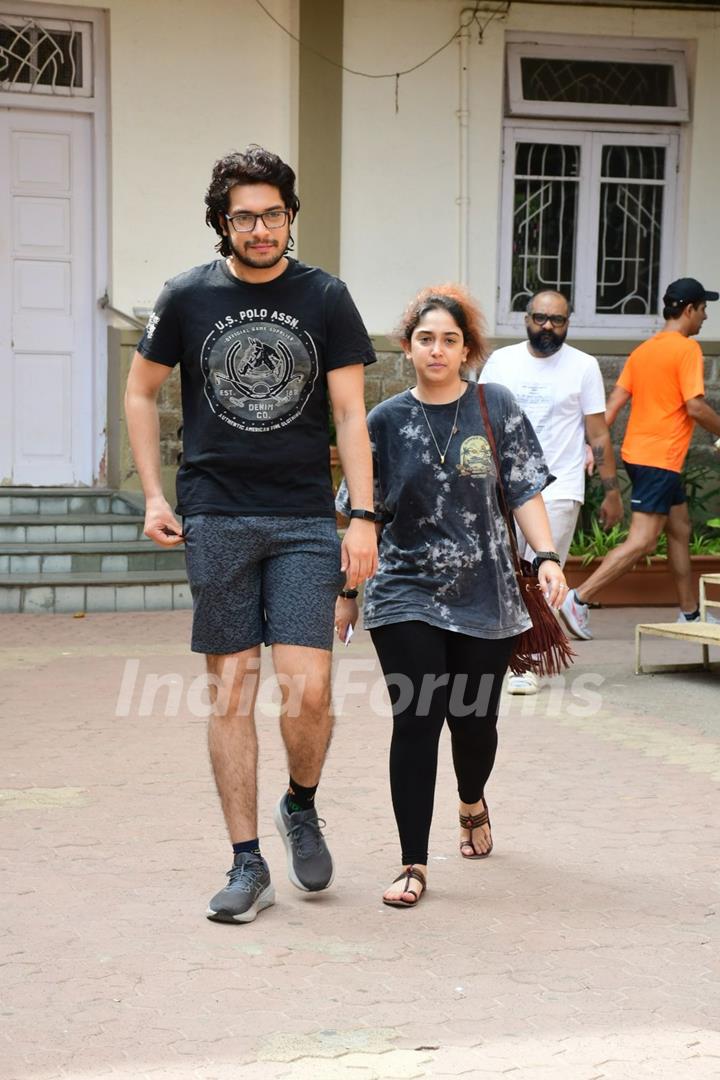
pixel 688 290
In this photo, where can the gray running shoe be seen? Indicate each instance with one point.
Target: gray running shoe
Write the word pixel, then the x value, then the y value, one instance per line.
pixel 310 865
pixel 248 891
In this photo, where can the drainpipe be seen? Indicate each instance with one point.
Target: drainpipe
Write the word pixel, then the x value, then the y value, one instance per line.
pixel 463 115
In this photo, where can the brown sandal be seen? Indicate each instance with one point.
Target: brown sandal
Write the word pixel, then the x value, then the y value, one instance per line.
pixel 471 822
pixel 410 873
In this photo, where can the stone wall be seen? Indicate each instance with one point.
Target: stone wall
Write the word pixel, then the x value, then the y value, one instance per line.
pixel 701 447
pixel 123 472
pixel 391 374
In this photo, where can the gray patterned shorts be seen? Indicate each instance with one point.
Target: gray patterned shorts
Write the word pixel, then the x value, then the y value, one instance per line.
pixel 262 579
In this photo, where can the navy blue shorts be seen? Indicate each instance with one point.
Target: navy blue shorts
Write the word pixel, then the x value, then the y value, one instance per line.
pixel 654 491
pixel 262 579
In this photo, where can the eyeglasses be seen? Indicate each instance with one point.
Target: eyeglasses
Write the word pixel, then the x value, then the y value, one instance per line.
pixel 540 318
pixel 246 222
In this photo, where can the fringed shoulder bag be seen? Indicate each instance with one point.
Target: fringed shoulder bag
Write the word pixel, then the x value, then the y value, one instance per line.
pixel 543 649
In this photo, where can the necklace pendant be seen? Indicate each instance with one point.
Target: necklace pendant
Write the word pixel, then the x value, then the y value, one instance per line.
pixel 442 459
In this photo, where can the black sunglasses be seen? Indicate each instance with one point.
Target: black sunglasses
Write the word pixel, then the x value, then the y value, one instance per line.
pixel 540 318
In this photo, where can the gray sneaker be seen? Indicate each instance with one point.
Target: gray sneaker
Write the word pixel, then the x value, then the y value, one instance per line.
pixel 247 892
pixel 310 865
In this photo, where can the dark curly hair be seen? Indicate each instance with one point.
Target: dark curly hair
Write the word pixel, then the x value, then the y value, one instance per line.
pixel 458 302
pixel 255 165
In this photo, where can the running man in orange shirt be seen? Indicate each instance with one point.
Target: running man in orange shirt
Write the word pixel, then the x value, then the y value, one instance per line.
pixel 663 378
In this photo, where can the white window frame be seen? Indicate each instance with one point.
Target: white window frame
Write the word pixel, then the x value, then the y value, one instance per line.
pixel 570 47
pixel 83 28
pixel 591 141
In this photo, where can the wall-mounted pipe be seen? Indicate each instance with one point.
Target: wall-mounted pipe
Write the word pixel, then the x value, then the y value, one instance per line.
pixel 463 116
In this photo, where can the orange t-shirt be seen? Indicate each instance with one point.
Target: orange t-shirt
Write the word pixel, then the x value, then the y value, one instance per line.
pixel 661 374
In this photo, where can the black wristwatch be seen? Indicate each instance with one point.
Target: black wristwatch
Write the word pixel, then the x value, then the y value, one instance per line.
pixel 545 556
pixel 348 594
pixel 366 515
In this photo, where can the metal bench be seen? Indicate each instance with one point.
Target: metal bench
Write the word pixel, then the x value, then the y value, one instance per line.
pixel 700 632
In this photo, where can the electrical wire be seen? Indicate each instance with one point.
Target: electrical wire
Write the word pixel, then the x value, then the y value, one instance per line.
pixel 473 18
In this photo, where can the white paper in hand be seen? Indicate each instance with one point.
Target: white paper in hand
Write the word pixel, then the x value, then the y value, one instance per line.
pixel 349 634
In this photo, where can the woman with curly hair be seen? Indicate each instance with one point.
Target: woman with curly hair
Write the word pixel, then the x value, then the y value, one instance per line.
pixel 444 609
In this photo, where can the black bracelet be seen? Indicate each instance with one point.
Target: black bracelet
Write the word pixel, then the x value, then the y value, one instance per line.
pixel 348 594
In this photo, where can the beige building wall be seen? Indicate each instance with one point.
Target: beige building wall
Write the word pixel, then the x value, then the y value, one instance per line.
pixel 187 83
pixel 401 170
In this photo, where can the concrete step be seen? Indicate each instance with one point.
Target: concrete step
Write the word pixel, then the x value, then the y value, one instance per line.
pixel 19 502
pixel 112 557
pixel 143 590
pixel 69 528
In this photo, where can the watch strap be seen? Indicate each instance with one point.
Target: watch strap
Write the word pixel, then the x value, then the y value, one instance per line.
pixel 545 556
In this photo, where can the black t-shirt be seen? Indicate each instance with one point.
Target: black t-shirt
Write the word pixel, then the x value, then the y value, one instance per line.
pixel 254 361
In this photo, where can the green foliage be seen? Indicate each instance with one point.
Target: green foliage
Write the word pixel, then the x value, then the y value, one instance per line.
pixel 596 542
pixel 704 545
pixel 702 488
pixel 594 495
pixel 700 481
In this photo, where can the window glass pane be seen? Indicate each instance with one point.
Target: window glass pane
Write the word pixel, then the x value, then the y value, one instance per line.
pixel 31 55
pixel 597 82
pixel 545 207
pixel 629 230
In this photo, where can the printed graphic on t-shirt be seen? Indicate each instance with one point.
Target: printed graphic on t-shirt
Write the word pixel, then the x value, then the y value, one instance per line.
pixel 476 457
pixel 260 368
pixel 151 324
pixel 537 401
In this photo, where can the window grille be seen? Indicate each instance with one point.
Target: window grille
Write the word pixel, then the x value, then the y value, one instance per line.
pixel 545 206
pixel 579 79
pixel 630 226
pixel 598 82
pixel 590 214
pixel 49 57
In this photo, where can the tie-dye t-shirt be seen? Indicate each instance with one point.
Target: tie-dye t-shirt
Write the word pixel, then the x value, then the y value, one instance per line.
pixel 444 555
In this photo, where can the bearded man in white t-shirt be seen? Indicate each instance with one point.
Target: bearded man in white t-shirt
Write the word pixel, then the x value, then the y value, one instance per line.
pixel 561 391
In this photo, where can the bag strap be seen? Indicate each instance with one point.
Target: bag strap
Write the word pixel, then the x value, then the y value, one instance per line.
pixel 509 520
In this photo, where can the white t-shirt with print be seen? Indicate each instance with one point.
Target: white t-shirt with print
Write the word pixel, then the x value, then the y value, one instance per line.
pixel 556 393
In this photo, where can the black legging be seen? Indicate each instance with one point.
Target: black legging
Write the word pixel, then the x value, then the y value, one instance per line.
pixel 469 673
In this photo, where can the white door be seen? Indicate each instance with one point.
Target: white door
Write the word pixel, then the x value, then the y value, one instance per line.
pixel 46 301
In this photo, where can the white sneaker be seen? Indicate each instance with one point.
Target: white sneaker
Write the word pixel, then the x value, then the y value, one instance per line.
pixel 576 617
pixel 709 618
pixel 528 683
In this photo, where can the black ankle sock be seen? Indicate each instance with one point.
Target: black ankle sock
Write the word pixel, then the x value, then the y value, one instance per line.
pixel 253 846
pixel 692 616
pixel 299 797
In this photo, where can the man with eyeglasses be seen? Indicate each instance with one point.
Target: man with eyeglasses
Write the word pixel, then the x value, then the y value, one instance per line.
pixel 561 391
pixel 265 344
pixel 663 382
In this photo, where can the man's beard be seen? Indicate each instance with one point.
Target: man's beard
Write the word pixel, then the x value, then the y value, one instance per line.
pixel 546 342
pixel 263 262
